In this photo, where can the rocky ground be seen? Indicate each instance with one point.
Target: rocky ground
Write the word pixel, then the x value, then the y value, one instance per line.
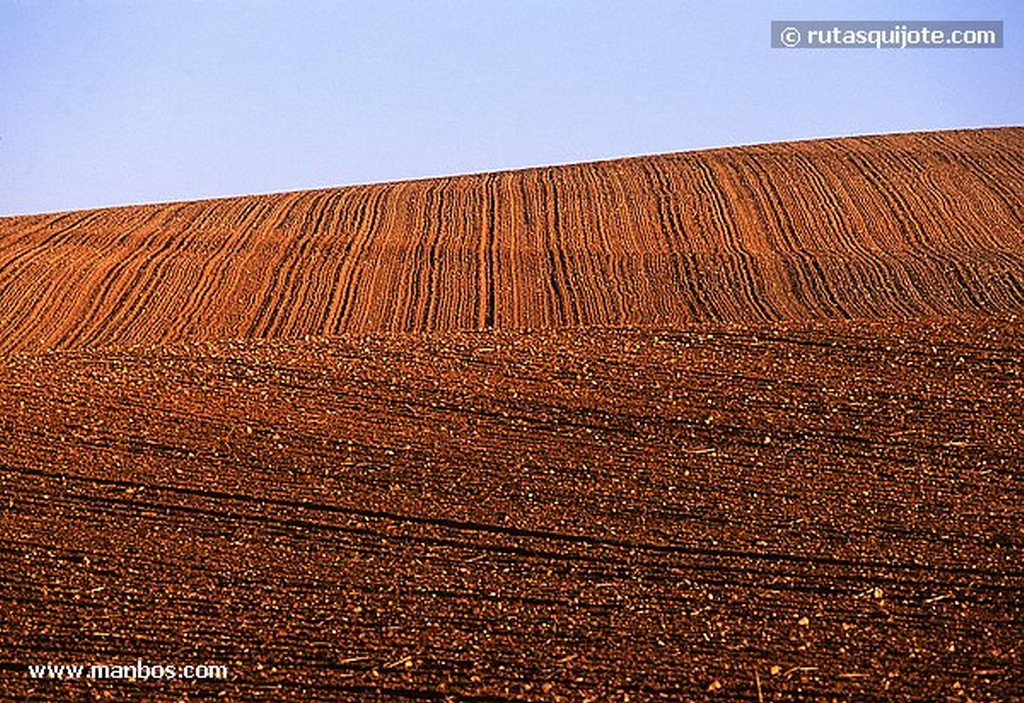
pixel 816 511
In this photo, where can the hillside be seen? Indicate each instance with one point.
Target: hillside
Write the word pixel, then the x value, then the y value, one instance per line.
pixel 874 227
pixel 740 424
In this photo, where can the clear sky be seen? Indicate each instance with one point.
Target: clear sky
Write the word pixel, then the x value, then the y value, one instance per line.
pixel 105 103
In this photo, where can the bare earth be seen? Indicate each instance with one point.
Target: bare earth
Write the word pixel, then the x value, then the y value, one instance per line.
pixel 743 424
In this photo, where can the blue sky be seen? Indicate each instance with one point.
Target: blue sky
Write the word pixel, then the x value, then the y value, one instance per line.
pixel 106 103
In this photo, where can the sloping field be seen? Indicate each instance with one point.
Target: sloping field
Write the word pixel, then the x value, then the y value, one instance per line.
pixel 744 424
pixel 877 227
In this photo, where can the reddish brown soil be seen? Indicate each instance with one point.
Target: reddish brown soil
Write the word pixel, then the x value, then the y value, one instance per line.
pixel 712 487
pixel 876 227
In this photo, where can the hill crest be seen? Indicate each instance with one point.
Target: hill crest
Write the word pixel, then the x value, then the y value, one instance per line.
pixel 912 225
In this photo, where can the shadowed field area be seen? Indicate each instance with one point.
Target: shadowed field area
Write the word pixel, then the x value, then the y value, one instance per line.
pixel 743 424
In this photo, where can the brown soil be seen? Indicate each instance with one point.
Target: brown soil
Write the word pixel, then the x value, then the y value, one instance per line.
pixel 875 227
pixel 744 424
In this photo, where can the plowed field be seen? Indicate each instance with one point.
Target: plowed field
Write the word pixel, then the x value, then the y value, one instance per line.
pixel 742 424
pixel 880 227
